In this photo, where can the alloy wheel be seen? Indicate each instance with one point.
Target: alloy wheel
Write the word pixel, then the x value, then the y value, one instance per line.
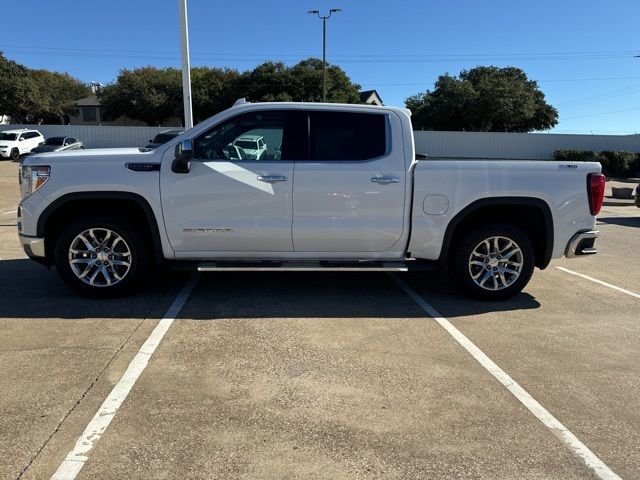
pixel 100 257
pixel 496 263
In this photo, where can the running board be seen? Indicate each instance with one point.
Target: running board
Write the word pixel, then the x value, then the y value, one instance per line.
pixel 317 266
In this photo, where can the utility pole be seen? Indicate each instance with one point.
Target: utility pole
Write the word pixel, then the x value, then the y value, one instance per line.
pixel 186 66
pixel 324 46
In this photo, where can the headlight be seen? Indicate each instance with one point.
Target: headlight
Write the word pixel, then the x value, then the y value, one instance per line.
pixel 32 178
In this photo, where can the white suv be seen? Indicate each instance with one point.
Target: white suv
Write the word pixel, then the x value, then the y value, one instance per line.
pixel 253 146
pixel 14 143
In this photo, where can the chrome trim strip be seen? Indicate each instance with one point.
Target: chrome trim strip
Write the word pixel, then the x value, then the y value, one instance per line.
pixel 203 268
pixel 572 246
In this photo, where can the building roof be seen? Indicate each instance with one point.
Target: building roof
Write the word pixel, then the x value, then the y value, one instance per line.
pixel 371 97
pixel 90 101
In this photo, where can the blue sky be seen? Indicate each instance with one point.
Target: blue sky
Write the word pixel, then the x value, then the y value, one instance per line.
pixel 580 51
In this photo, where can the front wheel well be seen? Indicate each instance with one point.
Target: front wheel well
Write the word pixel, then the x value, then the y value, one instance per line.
pixel 532 216
pixel 129 206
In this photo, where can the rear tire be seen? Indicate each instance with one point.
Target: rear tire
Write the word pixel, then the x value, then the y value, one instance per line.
pixel 101 255
pixel 493 262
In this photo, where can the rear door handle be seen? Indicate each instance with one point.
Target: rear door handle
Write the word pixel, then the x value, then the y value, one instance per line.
pixel 272 178
pixel 385 180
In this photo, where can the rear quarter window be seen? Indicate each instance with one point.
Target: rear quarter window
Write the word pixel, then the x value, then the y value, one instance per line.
pixel 347 136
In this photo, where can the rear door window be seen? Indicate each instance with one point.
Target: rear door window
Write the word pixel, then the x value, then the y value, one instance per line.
pixel 347 136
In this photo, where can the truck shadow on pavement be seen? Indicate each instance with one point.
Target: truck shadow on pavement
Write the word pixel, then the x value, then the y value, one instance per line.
pixel 621 221
pixel 28 290
pixel 332 295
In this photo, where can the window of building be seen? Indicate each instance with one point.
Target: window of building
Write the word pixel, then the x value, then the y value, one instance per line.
pixel 89 114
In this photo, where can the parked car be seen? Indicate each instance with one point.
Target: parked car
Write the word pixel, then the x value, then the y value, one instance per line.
pixel 162 138
pixel 360 199
pixel 59 144
pixel 253 146
pixel 637 196
pixel 14 143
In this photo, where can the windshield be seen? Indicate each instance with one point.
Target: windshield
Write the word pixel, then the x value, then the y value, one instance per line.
pixel 54 141
pixel 164 137
pixel 246 144
pixel 8 136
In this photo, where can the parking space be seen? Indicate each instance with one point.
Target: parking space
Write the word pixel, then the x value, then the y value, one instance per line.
pixel 323 375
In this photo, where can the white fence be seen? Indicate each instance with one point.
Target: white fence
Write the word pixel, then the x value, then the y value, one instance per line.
pixel 97 137
pixel 516 145
pixel 434 144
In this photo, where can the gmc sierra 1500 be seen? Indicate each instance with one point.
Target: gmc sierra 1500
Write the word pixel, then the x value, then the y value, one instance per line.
pixel 336 187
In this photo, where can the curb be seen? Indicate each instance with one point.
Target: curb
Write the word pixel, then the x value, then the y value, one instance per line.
pixel 613 203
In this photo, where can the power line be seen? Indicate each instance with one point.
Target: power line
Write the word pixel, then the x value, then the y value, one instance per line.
pixel 344 58
pixel 598 97
pixel 602 114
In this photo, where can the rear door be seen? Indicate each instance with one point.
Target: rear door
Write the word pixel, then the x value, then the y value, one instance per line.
pixel 349 196
pixel 23 143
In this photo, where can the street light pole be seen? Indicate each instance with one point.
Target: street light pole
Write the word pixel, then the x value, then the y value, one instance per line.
pixel 186 67
pixel 324 46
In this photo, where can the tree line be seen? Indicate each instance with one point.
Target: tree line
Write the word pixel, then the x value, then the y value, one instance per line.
pixel 481 99
pixel 37 96
pixel 154 95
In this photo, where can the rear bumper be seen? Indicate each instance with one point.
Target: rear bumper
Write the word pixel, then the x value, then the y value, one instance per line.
pixel 33 246
pixel 582 243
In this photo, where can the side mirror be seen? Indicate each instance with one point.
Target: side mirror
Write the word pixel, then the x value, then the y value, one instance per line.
pixel 184 154
pixel 20 139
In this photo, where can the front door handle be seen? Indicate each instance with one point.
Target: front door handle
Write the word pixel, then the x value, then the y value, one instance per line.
pixel 385 180
pixel 272 178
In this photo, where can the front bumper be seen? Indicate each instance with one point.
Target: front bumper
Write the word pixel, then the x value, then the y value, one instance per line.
pixel 33 246
pixel 582 243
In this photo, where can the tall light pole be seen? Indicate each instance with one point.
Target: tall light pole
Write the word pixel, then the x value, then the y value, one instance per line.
pixel 324 46
pixel 186 67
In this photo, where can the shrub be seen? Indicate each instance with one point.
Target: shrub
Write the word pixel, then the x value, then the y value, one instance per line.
pixel 617 164
pixel 575 156
pixel 635 167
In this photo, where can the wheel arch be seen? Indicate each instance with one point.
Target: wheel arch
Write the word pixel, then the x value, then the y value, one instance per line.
pixel 533 215
pixel 132 205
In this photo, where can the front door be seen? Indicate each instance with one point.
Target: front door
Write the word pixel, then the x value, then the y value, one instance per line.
pixel 233 200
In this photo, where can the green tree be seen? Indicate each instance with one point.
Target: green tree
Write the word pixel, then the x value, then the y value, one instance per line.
pixel 154 95
pixel 149 94
pixel 213 90
pixel 54 96
pixel 274 81
pixel 483 99
pixel 16 89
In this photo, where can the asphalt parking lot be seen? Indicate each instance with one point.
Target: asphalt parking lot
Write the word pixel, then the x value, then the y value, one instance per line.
pixel 323 375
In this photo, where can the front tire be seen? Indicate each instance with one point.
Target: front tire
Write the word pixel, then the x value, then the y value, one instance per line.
pixel 101 256
pixel 15 154
pixel 493 262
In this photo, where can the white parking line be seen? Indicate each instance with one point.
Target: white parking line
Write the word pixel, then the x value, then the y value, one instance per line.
pixel 76 458
pixel 600 282
pixel 8 213
pixel 542 414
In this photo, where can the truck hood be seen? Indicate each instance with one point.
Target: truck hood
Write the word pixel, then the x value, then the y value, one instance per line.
pixel 96 155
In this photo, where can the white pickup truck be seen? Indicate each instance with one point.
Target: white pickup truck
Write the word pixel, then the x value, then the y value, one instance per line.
pixel 338 188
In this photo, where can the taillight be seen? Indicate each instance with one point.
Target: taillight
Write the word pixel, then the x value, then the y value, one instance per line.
pixel 595 191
